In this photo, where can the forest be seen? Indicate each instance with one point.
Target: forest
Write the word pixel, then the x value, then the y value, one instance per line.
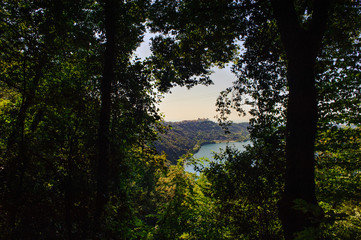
pixel 186 137
pixel 79 119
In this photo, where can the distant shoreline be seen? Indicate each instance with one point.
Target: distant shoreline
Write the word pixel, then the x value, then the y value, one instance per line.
pixel 187 137
pixel 198 146
pixel 226 141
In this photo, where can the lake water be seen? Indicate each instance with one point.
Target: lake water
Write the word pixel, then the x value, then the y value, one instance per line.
pixel 208 150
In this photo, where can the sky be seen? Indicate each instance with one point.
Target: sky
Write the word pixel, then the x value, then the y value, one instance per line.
pixel 197 102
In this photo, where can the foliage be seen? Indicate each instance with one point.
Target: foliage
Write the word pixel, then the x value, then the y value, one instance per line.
pixel 49 123
pixel 52 65
pixel 138 207
pixel 194 36
pixel 338 182
pixel 184 211
pixel 247 186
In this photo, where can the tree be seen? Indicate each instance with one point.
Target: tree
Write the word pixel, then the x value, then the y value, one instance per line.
pixel 246 187
pixel 185 208
pixel 282 66
pixel 301 45
pixel 108 78
pixel 128 100
pixel 51 67
pixel 41 140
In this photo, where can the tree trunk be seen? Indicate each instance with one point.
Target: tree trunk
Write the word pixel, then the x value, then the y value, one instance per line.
pixel 301 131
pixel 301 44
pixel 105 111
pixel 17 143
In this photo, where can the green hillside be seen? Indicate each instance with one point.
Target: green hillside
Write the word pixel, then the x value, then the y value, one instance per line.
pixel 188 136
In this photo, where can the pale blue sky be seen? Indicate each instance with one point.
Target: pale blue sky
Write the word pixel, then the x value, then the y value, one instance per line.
pixel 197 102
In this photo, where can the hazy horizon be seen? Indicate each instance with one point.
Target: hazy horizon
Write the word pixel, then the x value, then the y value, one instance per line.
pixel 213 120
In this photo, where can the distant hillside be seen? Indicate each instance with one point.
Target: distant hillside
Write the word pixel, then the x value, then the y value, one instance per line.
pixel 188 136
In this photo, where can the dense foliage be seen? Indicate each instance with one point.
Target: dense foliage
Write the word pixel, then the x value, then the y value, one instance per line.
pixel 52 61
pixel 79 122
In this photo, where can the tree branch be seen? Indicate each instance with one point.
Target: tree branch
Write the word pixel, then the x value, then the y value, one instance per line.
pixel 285 14
pixel 319 18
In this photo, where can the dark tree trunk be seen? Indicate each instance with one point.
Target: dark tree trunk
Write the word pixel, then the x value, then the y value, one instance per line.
pixel 17 143
pixel 105 111
pixel 301 131
pixel 302 46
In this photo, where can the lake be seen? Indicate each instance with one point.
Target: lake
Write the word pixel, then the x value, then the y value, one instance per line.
pixel 207 150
